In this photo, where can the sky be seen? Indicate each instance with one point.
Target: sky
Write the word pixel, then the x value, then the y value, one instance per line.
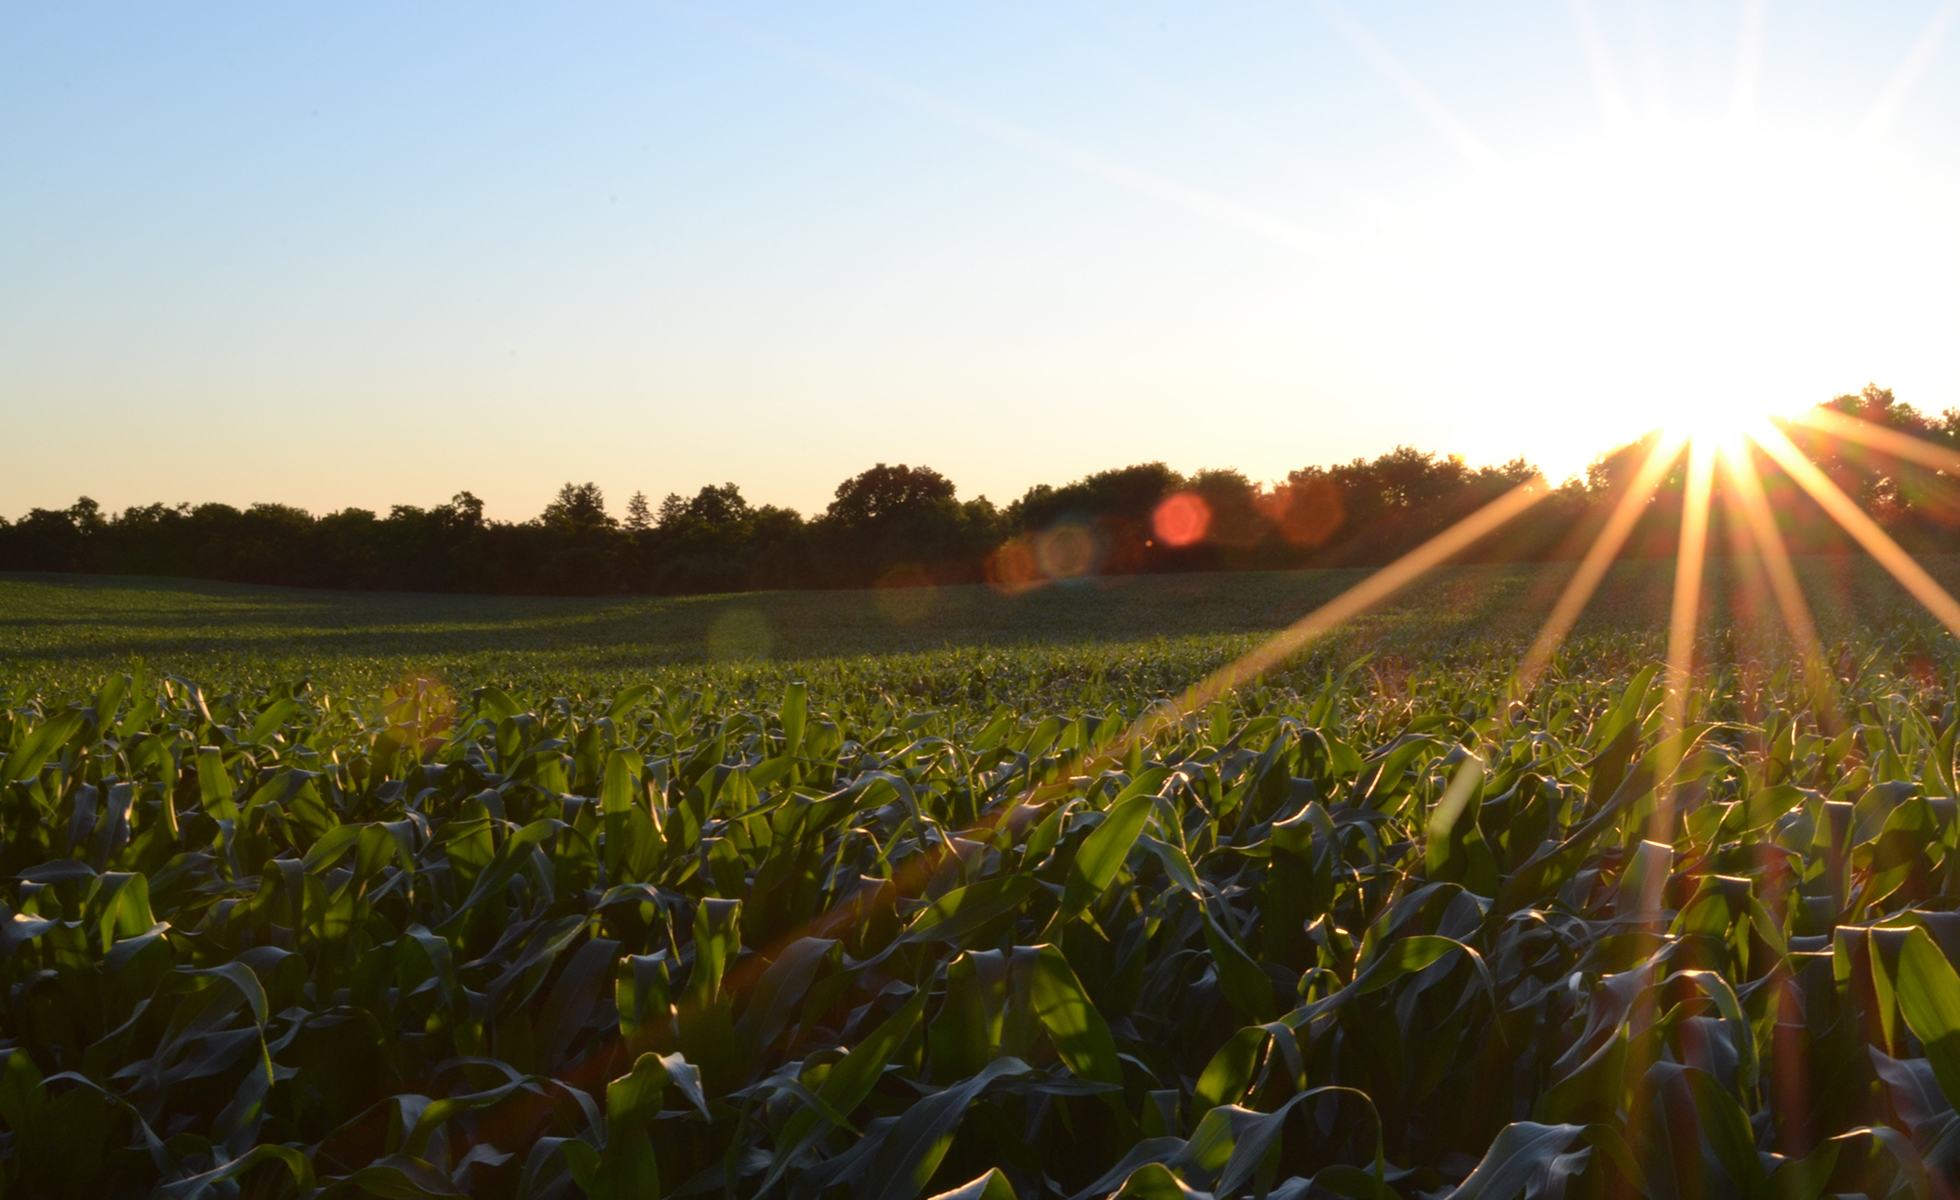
pixel 361 255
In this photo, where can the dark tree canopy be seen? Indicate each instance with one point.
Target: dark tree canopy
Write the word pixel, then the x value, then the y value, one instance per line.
pixel 578 508
pixel 639 514
pixel 884 492
pixel 903 524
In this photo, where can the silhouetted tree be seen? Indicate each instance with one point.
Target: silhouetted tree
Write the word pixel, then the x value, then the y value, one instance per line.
pixel 883 492
pixel 903 524
pixel 464 511
pixel 639 514
pixel 578 508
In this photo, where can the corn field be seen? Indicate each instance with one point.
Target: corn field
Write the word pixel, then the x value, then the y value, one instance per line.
pixel 826 941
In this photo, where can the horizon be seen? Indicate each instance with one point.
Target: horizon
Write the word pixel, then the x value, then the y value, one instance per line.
pixel 615 504
pixel 334 262
pixel 614 501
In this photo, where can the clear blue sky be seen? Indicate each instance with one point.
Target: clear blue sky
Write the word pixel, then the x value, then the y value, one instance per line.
pixel 367 254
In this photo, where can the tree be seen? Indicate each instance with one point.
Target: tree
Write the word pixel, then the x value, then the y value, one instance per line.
pixel 87 515
pixel 722 505
pixel 639 514
pixel 464 511
pixel 1232 505
pixel 1309 508
pixel 578 508
pixel 900 520
pixel 882 492
pixel 1125 494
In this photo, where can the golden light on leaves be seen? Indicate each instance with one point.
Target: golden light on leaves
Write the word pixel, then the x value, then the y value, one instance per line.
pixel 420 711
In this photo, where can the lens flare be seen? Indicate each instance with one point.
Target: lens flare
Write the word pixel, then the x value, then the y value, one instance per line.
pixel 1181 520
pixel 1067 551
pixel 1012 569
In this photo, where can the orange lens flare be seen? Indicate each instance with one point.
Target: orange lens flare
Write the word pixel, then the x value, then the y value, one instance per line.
pixel 1181 519
pixel 1012 568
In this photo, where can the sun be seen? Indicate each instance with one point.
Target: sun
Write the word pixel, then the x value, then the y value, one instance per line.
pixel 1685 275
pixel 1724 423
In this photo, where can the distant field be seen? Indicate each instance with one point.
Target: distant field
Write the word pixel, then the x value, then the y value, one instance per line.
pixel 65 631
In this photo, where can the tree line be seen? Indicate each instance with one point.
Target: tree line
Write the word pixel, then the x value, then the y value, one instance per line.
pixel 899 525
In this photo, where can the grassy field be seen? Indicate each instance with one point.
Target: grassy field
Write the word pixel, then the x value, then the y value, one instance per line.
pixel 80 621
pixel 66 632
pixel 856 894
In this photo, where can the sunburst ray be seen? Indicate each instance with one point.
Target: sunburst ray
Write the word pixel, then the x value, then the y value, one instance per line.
pixel 1745 493
pixel 1599 557
pixel 1859 524
pixel 1877 437
pixel 1684 616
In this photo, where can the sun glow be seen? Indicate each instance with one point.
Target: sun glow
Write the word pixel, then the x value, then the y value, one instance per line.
pixel 1668 277
pixel 1725 425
